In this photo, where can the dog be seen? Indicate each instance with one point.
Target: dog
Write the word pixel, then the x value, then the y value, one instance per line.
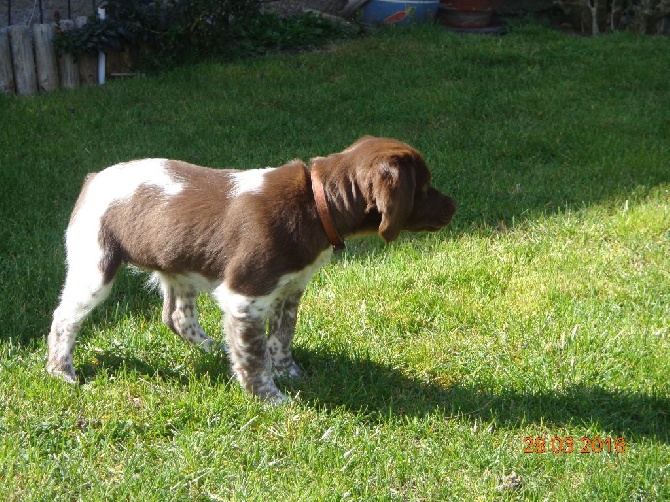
pixel 253 239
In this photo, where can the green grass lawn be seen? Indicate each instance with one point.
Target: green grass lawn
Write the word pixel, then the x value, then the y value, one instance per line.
pixel 542 312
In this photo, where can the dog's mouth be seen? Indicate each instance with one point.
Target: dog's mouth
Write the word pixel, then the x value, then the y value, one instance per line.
pixel 432 228
pixel 435 224
pixel 435 227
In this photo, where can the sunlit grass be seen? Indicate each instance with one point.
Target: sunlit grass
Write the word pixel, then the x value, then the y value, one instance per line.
pixel 542 311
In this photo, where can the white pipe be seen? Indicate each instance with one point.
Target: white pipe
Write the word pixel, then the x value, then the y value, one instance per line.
pixel 101 55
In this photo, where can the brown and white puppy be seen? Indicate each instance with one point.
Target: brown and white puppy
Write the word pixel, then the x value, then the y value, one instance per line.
pixel 253 239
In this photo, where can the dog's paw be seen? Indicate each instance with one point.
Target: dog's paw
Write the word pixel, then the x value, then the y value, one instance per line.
pixel 291 370
pixel 65 372
pixel 276 399
pixel 272 396
pixel 220 347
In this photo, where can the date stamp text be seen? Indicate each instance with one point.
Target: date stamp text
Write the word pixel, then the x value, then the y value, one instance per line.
pixel 568 444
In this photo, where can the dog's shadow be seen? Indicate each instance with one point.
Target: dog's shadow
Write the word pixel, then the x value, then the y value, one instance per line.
pixel 364 386
pixel 375 391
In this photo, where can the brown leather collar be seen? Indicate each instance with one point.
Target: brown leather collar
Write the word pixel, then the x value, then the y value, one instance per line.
pixel 324 214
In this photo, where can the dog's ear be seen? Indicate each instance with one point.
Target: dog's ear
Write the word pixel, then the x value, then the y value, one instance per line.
pixel 393 189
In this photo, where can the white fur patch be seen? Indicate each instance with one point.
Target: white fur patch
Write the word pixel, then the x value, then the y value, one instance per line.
pixel 241 306
pixel 111 185
pixel 189 281
pixel 250 181
pixel 119 182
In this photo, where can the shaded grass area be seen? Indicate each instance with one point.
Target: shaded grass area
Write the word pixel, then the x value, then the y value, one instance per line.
pixel 542 312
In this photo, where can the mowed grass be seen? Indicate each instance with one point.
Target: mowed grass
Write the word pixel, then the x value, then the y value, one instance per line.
pixel 543 311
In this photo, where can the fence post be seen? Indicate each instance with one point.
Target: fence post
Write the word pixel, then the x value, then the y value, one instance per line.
pixel 69 73
pixel 23 59
pixel 6 73
pixel 88 65
pixel 45 57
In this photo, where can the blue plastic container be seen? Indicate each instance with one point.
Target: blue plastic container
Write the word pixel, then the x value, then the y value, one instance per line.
pixel 399 12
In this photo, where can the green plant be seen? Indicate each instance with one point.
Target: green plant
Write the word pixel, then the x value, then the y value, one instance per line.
pixel 268 32
pixel 171 32
pixel 95 36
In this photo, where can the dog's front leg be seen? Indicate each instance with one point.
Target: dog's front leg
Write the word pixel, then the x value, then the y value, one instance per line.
pixel 282 330
pixel 245 332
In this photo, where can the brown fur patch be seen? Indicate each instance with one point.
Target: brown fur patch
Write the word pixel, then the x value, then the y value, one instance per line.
pixel 254 238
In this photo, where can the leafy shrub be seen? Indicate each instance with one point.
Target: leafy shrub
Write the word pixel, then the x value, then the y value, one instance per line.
pixel 269 32
pixel 168 32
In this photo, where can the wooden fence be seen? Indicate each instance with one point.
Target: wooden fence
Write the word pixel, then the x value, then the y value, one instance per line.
pixel 29 63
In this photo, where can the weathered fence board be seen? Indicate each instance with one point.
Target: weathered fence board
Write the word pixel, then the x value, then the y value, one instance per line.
pixel 88 65
pixel 23 59
pixel 45 57
pixel 6 72
pixel 29 62
pixel 69 72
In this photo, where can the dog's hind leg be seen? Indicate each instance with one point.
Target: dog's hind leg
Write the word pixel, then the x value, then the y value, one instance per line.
pixel 180 312
pixel 89 280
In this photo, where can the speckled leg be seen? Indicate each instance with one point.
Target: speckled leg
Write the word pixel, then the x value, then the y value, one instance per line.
pixel 249 355
pixel 244 326
pixel 282 331
pixel 180 313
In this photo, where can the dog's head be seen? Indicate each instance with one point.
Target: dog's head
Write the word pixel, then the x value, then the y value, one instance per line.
pixel 395 182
